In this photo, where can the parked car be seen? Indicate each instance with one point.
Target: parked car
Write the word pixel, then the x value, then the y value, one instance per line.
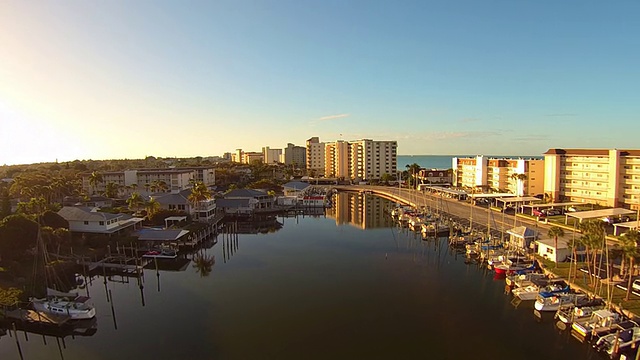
pixel 552 212
pixel 538 212
pixel 615 220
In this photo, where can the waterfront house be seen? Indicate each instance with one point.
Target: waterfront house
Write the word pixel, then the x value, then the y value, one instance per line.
pixel 203 211
pixel 265 201
pixel 90 220
pixel 294 188
pixel 237 207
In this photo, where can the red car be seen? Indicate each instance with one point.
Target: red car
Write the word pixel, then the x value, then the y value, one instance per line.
pixel 539 213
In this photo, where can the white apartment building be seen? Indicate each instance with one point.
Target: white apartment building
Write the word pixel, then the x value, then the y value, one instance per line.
pixel 142 180
pixel 523 177
pixel 361 159
pixel 315 156
pixel 608 177
pixel 271 156
pixel 295 155
pixel 251 157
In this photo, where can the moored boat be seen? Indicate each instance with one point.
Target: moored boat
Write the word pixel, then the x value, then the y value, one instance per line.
pixel 600 320
pixel 66 304
pixel 552 303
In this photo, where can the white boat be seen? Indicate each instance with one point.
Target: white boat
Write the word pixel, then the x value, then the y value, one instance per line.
pixel 66 304
pixel 522 280
pixel 599 320
pixel 570 313
pixel 531 292
pixel 434 228
pixel 552 303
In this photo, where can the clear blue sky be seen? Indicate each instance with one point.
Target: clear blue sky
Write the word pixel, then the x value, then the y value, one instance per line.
pixel 125 79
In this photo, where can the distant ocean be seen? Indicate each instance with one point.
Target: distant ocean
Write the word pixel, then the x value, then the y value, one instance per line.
pixel 440 161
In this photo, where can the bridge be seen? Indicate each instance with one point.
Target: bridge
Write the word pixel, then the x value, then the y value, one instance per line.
pixel 460 211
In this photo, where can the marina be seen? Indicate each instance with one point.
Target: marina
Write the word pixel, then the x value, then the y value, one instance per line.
pixel 366 287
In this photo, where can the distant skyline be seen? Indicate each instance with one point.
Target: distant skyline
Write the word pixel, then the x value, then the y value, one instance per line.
pixel 129 79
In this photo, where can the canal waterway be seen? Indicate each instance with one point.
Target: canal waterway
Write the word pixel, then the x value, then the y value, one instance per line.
pixel 346 284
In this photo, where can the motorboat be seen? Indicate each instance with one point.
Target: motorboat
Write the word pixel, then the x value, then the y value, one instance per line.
pixel 600 320
pixel 509 267
pixel 620 339
pixel 522 280
pixel 570 313
pixel 531 292
pixel 434 228
pixel 552 303
pixel 163 253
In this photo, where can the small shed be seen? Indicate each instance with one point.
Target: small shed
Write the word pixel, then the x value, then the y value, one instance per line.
pixel 548 249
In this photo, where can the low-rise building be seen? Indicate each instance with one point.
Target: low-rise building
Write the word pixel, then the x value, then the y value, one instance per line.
pixel 435 176
pixel 148 181
pixel 90 220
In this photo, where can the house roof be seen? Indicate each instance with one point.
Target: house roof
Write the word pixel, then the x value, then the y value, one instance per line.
pixel 244 193
pixel 562 243
pixel 522 232
pixel 99 198
pixel 232 203
pixel 296 185
pixel 80 213
pixel 181 197
pixel 160 235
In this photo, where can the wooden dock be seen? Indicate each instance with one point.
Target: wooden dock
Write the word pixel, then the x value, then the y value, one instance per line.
pixel 36 317
pixel 116 263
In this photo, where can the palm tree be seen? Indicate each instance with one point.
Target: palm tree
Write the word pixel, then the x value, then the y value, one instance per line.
pixel 519 179
pixel 592 238
pixel 152 207
pixel 162 186
pixel 94 179
pixel 111 190
pixel 199 192
pixel 413 169
pixel 554 232
pixel 629 247
pixel 135 201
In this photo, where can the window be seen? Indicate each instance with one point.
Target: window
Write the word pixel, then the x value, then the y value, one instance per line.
pixel 86 223
pixel 101 222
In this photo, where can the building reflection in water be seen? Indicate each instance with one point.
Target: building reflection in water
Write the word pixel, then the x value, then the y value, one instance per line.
pixel 365 211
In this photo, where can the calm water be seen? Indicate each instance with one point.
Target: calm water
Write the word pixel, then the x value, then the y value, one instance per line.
pixel 344 286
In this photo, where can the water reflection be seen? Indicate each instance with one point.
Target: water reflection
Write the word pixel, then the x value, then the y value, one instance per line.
pixel 365 211
pixel 203 264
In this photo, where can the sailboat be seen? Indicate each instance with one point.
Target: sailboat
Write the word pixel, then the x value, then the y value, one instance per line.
pixel 67 304
pixel 56 302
